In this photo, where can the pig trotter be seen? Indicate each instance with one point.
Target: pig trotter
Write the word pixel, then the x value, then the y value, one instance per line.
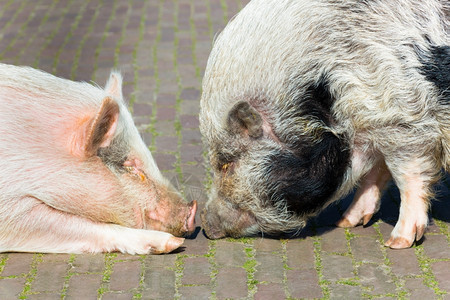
pixel 413 218
pixel 172 244
pixel 345 223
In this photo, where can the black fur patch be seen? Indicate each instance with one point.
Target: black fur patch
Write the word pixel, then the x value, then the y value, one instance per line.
pixel 311 169
pixel 317 101
pixel 306 179
pixel 436 68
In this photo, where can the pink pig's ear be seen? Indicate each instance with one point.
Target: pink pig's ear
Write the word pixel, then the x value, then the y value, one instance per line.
pixel 114 85
pixel 102 127
pixel 94 131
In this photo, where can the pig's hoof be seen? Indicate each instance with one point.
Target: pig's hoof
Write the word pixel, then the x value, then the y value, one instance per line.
pixel 366 219
pixel 171 244
pixel 398 243
pixel 402 241
pixel 344 223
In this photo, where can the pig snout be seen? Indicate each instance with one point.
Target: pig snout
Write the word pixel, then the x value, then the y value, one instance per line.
pixel 189 225
pixel 163 219
pixel 210 230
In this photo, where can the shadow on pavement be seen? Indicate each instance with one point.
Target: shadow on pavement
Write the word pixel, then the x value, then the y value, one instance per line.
pixel 388 213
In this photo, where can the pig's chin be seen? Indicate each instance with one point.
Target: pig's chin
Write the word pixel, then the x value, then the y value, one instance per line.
pixel 244 225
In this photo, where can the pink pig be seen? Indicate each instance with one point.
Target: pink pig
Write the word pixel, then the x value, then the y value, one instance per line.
pixel 75 175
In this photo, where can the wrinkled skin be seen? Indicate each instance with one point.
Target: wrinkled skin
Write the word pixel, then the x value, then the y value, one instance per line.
pixel 75 175
pixel 304 100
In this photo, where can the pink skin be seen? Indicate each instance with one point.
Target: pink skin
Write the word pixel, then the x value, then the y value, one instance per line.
pixel 56 194
pixel 413 217
pixel 367 198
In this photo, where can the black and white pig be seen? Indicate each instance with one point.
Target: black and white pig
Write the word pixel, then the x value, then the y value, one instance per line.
pixel 305 99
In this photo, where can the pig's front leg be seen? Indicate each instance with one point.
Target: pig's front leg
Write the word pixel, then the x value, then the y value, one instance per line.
pixel 32 226
pixel 367 198
pixel 413 184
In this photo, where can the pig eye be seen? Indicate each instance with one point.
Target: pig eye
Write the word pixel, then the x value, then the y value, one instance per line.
pixel 136 172
pixel 227 167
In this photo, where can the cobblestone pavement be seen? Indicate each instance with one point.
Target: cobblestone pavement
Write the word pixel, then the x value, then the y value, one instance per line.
pixel 161 47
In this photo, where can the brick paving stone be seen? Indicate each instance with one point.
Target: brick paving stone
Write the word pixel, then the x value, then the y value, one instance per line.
pixel 45 296
pixel 190 110
pixel 385 230
pixel 345 292
pixel 366 249
pixel 437 247
pixel 189 121
pixel 433 228
pixel 230 253
pixel 119 296
pixel 159 284
pixel 10 288
pixel 166 143
pixel 199 245
pixel 441 271
pixel 126 275
pixel 267 245
pixel 196 271
pixel 270 291
pixel 231 283
pixel 303 284
pixel 192 136
pixel 166 113
pixel 189 153
pixel 270 268
pixel 376 279
pixel 364 231
pixel 418 290
pixel 336 267
pixel 200 292
pixel 17 264
pixel 50 273
pixel 300 254
pixel 166 98
pixel 120 257
pixel 142 109
pixel 84 286
pixel 165 128
pixel 403 262
pixel 190 94
pixel 164 161
pixel 88 263
pixel 160 261
pixel 333 240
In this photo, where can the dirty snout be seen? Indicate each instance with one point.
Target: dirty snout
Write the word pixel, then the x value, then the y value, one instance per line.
pixel 175 216
pixel 187 217
pixel 221 219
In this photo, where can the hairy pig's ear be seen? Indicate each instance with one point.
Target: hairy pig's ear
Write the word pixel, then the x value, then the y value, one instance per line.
pixel 244 119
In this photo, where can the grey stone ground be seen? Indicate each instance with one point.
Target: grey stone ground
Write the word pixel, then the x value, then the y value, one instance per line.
pixel 161 47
